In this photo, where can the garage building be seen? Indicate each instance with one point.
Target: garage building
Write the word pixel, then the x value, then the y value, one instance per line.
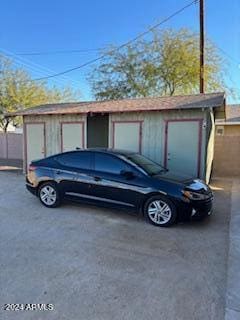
pixel 177 132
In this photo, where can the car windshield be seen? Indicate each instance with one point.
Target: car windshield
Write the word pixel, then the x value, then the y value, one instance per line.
pixel 149 166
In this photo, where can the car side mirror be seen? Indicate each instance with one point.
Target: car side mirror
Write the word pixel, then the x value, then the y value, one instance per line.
pixel 127 174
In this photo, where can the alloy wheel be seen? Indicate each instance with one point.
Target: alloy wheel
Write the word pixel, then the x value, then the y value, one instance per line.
pixel 48 195
pixel 159 212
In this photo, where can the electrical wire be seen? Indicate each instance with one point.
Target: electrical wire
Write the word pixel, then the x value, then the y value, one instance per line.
pixel 119 47
pixel 37 68
pixel 229 56
pixel 41 53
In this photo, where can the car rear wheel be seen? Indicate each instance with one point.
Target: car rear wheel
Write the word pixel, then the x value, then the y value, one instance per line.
pixel 49 195
pixel 160 211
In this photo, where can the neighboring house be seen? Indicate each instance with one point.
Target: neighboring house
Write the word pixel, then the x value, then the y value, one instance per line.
pixel 177 132
pixel 12 128
pixel 227 143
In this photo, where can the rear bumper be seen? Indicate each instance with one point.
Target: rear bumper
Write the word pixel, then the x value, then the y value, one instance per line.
pixel 31 189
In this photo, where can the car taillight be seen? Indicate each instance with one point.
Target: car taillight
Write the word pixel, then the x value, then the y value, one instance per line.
pixel 32 168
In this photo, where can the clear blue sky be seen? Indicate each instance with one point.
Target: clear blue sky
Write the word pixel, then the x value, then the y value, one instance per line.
pixel 51 25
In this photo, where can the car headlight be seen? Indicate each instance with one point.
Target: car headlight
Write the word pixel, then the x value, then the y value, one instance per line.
pixel 194 195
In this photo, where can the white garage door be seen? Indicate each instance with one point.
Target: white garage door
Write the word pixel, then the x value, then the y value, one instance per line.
pixel 72 136
pixel 35 141
pixel 184 147
pixel 127 136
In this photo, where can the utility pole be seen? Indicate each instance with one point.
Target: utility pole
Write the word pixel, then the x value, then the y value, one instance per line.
pixel 201 12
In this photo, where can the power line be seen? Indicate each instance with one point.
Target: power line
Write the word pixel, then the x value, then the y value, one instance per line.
pixel 35 67
pixel 228 55
pixel 121 46
pixel 41 53
pixel 18 62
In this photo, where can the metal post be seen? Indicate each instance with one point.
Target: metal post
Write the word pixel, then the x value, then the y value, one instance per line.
pixel 6 134
pixel 201 11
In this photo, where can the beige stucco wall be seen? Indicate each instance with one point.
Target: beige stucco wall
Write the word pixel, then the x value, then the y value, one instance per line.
pixel 227 152
pixel 232 130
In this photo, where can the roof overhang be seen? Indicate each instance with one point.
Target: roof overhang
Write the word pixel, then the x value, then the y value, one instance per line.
pixel 166 103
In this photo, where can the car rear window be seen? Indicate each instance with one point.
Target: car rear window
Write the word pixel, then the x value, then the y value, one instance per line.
pixel 78 160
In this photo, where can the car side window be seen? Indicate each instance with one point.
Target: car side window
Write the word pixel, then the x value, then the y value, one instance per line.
pixel 78 160
pixel 109 164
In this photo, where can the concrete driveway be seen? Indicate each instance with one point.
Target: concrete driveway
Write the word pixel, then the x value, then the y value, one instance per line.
pixel 100 264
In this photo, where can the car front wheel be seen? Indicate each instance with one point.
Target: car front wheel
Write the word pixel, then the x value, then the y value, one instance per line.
pixel 160 211
pixel 49 195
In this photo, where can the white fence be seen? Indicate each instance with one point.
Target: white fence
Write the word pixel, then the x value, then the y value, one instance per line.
pixel 11 145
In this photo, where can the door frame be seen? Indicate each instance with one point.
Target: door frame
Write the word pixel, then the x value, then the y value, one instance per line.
pixel 200 122
pixel 87 127
pixel 140 122
pixel 72 122
pixel 25 139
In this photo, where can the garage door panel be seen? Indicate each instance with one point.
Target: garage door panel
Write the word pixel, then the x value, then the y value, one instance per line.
pixel 127 136
pixel 35 141
pixel 183 147
pixel 72 136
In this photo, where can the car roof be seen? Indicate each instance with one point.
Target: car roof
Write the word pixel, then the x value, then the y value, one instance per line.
pixel 112 151
pixel 117 152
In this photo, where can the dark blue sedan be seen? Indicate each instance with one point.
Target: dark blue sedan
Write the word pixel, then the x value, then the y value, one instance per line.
pixel 121 179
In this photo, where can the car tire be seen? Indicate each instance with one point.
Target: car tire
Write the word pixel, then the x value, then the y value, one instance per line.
pixel 160 211
pixel 49 195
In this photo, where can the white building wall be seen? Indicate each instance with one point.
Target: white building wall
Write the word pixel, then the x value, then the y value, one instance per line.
pixel 53 130
pixel 153 130
pixel 12 128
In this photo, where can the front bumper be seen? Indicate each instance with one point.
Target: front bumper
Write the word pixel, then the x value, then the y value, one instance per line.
pixel 196 210
pixel 201 210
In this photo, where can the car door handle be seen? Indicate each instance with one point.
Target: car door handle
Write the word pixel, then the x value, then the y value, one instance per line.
pixel 58 172
pixel 97 179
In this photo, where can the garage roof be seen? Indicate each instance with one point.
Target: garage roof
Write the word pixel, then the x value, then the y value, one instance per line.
pixel 128 105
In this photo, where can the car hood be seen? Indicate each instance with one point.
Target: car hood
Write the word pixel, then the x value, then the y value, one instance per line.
pixel 187 182
pixel 174 177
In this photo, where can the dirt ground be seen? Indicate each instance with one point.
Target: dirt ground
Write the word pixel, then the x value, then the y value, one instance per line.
pixel 99 264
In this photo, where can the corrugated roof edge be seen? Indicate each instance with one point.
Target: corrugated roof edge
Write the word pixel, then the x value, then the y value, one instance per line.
pixel 208 100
